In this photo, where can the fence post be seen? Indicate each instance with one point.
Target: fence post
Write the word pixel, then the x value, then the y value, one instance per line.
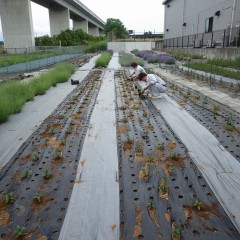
pixel 223 38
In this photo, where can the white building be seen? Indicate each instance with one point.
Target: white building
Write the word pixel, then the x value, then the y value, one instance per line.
pixel 196 23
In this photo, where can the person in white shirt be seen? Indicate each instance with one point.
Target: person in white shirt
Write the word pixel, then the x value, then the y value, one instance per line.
pixel 137 70
pixel 155 85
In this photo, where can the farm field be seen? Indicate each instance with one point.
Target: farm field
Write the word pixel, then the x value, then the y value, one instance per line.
pixel 106 163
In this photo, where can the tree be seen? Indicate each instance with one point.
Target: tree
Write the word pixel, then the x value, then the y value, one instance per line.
pixel 115 26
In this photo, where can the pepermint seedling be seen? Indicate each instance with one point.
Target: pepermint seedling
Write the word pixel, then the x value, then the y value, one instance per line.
pixel 35 156
pixel 38 197
pixel 197 204
pixel 26 174
pixel 163 185
pixel 9 198
pixel 20 231
pixel 151 205
pixel 176 231
pixel 47 174
pixel 175 156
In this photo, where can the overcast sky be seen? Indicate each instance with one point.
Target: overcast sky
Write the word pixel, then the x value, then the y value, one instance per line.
pixel 138 15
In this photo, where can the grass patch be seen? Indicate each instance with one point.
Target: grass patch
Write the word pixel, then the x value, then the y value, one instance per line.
pixel 103 60
pixel 180 55
pixel 215 70
pixel 235 63
pixel 7 60
pixel 15 94
pixel 126 59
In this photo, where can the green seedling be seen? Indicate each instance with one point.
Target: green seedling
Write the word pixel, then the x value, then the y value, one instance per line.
pixel 9 198
pixel 20 231
pixel 26 174
pixel 197 204
pixel 69 130
pixel 171 170
pixel 149 159
pixel 175 156
pixel 229 123
pixel 125 120
pixel 161 147
pixel 145 172
pixel 61 116
pixel 176 231
pixel 52 131
pixel 163 185
pixel 47 174
pixel 145 136
pixel 139 149
pixel 38 197
pixel 215 111
pixel 58 153
pixel 35 156
pixel 151 205
pixel 62 141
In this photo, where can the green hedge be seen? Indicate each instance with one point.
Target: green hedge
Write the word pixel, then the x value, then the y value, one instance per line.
pixel 126 59
pixel 103 60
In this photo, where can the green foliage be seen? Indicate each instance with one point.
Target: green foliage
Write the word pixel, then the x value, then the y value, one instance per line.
pixel 197 204
pixel 47 174
pixel 14 95
pixel 35 156
pixel 229 126
pixel 151 205
pixel 163 185
pixel 58 153
pixel 218 70
pixel 116 27
pixel 176 231
pixel 6 60
pixel 67 38
pixel 93 47
pixel 26 174
pixel 175 156
pixel 37 197
pixel 9 198
pixel 19 231
pixel 126 59
pixel 103 60
pixel 225 62
pixel 185 56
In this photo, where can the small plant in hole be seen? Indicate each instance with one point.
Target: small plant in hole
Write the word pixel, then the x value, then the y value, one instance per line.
pixel 26 174
pixel 175 156
pixel 35 156
pixel 171 170
pixel 58 153
pixel 125 120
pixel 129 140
pixel 47 174
pixel 9 198
pixel 197 204
pixel 161 147
pixel 176 231
pixel 61 116
pixel 62 141
pixel 19 231
pixel 229 123
pixel 149 159
pixel 37 197
pixel 52 131
pixel 145 136
pixel 163 185
pixel 69 130
pixel 151 205
pixel 123 108
pixel 139 149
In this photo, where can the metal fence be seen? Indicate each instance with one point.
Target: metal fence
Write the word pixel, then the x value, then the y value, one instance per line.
pixel 221 38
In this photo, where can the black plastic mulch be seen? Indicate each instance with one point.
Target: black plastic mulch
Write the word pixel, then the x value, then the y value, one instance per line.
pixel 54 148
pixel 159 186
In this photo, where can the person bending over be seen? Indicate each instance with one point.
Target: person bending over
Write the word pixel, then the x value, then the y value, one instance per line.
pixel 155 85
pixel 137 70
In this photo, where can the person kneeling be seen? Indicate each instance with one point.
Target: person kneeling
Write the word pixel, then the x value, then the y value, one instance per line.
pixel 155 85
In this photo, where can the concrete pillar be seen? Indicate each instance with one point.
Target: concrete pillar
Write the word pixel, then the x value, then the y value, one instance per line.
pixel 80 24
pixel 17 26
pixel 94 31
pixel 59 19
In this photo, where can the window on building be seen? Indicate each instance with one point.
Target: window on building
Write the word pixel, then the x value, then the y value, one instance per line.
pixel 209 24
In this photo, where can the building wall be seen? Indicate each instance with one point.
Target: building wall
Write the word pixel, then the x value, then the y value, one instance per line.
pixel 195 12
pixel 129 46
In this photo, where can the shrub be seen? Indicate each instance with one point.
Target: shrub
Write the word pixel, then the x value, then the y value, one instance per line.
pixel 126 59
pixel 103 60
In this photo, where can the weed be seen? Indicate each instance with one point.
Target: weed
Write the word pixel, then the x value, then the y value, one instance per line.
pixel 47 174
pixel 69 130
pixel 176 231
pixel 161 147
pixel 215 111
pixel 9 198
pixel 151 205
pixel 35 156
pixel 125 120
pixel 62 141
pixel 38 197
pixel 19 231
pixel 26 174
pixel 145 136
pixel 103 60
pixel 58 153
pixel 149 159
pixel 61 116
pixel 229 123
pixel 197 204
